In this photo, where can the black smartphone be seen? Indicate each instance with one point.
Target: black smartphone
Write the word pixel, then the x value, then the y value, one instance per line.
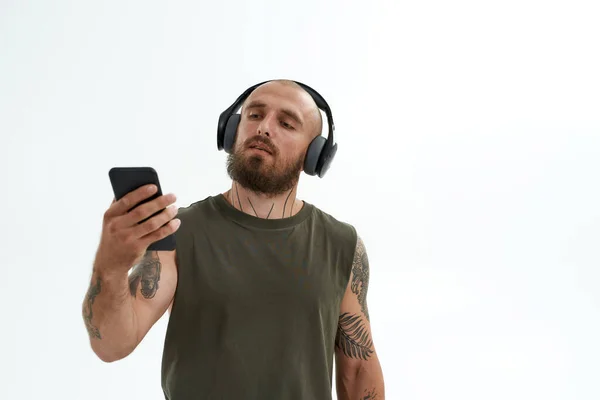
pixel 127 179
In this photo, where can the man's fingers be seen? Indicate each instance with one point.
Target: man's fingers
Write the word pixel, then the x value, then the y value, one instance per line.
pixel 125 203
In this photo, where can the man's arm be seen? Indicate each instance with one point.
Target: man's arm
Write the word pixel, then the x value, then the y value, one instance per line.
pixel 358 373
pixel 119 310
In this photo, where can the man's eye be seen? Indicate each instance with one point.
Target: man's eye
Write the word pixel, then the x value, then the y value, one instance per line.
pixel 253 115
pixel 286 125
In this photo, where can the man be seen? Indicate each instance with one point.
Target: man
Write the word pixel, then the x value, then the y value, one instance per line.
pixel 263 289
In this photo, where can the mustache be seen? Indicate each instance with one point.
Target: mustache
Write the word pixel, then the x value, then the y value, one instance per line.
pixel 263 141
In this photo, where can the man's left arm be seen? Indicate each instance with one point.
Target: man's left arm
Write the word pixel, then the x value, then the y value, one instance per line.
pixel 358 372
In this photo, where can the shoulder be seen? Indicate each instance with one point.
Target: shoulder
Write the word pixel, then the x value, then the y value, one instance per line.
pixel 337 227
pixel 195 217
pixel 199 208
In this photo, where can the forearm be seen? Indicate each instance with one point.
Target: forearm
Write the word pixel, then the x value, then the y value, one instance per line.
pixel 109 315
pixel 361 383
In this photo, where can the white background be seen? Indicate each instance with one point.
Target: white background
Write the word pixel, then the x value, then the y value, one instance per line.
pixel 469 155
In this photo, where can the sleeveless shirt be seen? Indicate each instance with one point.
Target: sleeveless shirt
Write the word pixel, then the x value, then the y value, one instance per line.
pixel 257 303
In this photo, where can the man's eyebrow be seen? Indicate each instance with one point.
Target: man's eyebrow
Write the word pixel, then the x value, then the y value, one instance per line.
pixel 255 104
pixel 290 113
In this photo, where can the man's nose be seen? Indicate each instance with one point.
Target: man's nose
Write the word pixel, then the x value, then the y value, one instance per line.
pixel 266 125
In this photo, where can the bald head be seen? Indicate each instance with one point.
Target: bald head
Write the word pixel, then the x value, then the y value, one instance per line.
pixel 290 92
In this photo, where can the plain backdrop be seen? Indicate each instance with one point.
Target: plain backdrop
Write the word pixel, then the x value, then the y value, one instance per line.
pixel 469 161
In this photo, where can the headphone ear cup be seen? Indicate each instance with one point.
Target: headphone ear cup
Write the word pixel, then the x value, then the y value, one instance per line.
pixel 230 132
pixel 313 154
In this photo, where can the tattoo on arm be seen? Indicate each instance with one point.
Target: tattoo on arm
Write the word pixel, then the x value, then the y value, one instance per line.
pixel 92 292
pixel 360 276
pixel 369 395
pixel 147 272
pixel 353 338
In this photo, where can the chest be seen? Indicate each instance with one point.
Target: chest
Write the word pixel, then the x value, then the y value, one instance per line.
pixel 288 268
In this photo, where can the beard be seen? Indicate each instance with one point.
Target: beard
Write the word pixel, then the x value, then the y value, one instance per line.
pixel 257 173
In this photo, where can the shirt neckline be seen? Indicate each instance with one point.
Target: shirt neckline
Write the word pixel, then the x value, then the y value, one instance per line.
pixel 252 221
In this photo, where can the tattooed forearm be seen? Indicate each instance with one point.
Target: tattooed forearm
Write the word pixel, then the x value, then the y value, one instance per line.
pixel 353 338
pixel 88 314
pixel 369 395
pixel 147 272
pixel 360 276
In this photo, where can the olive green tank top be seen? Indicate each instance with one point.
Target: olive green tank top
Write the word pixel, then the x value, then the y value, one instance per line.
pixel 257 303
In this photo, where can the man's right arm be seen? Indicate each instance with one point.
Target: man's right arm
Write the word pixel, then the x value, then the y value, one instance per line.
pixel 119 310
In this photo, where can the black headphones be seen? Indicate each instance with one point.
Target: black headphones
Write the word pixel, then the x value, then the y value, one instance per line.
pixel 320 152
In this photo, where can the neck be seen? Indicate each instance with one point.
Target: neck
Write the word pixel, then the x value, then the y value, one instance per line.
pixel 264 206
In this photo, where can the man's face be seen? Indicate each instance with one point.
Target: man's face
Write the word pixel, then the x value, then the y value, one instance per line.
pixel 277 124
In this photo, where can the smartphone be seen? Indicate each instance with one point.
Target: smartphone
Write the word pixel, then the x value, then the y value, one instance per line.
pixel 127 179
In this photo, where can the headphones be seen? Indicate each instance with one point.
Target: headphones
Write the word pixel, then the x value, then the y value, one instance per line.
pixel 321 151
